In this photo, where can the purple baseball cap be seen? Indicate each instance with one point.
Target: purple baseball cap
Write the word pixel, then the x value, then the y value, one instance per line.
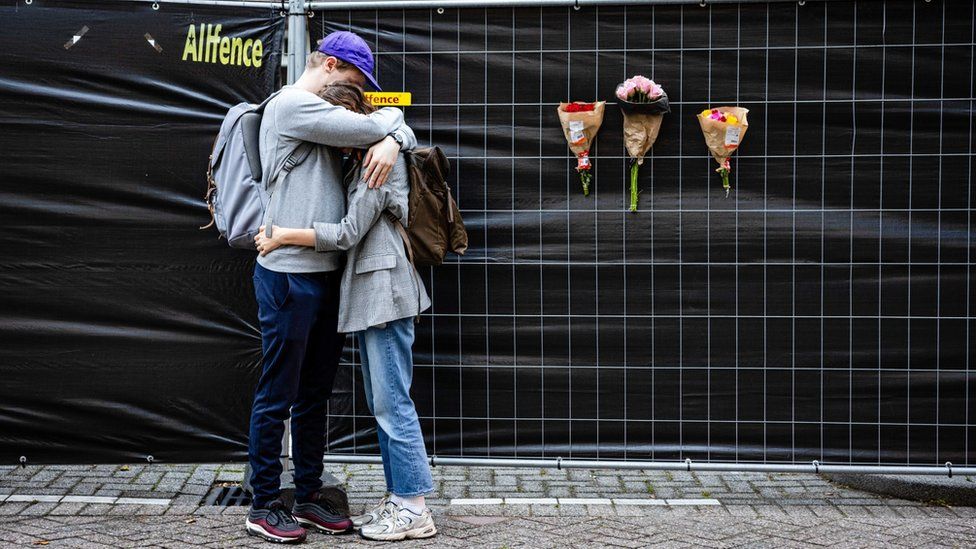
pixel 352 49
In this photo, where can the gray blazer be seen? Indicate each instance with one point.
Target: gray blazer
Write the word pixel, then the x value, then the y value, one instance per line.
pixel 379 284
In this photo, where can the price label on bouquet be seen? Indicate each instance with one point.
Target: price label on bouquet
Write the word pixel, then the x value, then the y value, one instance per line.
pixel 583 161
pixel 576 135
pixel 732 136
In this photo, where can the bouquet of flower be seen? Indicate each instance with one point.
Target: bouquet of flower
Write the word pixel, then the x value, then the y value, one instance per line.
pixel 724 128
pixel 581 122
pixel 643 103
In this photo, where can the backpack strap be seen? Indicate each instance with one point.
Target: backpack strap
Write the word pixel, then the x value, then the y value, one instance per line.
pixel 263 104
pixel 296 157
pixel 403 234
pixel 409 249
pixel 217 149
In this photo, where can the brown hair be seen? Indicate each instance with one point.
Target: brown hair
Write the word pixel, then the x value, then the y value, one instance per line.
pixel 347 95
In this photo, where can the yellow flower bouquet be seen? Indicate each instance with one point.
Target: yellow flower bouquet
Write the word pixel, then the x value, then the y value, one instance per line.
pixel 724 128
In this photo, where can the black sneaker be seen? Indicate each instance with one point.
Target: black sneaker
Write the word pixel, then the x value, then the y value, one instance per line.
pixel 275 524
pixel 319 514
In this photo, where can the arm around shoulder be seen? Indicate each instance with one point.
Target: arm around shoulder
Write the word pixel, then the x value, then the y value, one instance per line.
pixel 313 119
pixel 365 208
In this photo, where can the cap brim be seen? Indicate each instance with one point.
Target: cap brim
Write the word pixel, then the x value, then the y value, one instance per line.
pixel 372 81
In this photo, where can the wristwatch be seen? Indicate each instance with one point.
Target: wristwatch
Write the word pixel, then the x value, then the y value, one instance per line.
pixel 397 136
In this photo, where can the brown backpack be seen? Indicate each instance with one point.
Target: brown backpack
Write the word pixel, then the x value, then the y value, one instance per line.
pixel 434 225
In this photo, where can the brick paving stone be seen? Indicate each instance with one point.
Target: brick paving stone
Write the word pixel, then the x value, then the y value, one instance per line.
pixel 69 509
pixel 186 499
pixel 229 476
pixel 558 492
pixel 96 509
pixel 39 509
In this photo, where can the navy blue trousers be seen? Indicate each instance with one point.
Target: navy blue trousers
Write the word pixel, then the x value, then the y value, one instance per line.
pixel 299 315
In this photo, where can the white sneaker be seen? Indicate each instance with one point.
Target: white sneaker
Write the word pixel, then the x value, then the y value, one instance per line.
pixel 373 515
pixel 400 523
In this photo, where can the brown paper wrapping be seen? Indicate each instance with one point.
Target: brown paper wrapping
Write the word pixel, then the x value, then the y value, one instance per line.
pixel 592 120
pixel 714 132
pixel 640 133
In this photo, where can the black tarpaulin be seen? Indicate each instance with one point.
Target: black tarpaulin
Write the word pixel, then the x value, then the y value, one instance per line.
pixel 124 330
pixel 823 311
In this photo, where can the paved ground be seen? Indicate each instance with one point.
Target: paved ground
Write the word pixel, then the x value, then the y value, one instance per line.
pixel 647 508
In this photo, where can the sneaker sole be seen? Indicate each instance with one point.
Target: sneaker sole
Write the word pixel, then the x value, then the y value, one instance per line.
pixel 257 530
pixel 320 528
pixel 360 526
pixel 419 533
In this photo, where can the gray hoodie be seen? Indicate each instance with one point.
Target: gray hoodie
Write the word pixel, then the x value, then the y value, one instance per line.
pixel 313 191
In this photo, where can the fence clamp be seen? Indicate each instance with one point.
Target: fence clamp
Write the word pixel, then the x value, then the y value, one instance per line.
pixel 150 459
pixel 816 467
pixel 949 467
pixel 432 458
pixel 688 463
pixel 559 463
pixel 23 462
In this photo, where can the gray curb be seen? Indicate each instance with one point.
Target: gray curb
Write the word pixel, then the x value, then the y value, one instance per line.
pixel 957 491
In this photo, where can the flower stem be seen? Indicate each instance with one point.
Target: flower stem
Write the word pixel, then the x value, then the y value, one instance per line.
pixel 585 177
pixel 634 167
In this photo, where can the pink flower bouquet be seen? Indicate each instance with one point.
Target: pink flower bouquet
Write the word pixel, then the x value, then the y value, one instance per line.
pixel 643 103
pixel 724 128
pixel 581 122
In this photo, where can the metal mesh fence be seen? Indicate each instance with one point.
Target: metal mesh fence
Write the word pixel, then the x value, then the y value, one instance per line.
pixel 822 311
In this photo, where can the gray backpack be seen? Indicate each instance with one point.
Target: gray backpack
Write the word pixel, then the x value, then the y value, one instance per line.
pixel 236 196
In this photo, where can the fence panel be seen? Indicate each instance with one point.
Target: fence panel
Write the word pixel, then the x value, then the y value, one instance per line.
pixel 822 311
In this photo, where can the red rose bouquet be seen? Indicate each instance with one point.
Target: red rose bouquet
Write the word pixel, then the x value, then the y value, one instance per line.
pixel 581 122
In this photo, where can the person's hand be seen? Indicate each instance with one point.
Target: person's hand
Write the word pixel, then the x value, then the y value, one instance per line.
pixel 379 160
pixel 265 244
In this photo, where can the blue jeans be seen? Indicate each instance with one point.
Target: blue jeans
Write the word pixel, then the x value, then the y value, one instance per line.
pixel 387 372
pixel 299 315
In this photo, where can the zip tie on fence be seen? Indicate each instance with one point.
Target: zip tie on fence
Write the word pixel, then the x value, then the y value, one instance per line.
pixel 23 462
pixel 816 467
pixel 152 42
pixel 688 463
pixel 949 467
pixel 77 36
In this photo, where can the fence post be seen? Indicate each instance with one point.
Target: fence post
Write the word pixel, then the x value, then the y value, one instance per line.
pixel 297 39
